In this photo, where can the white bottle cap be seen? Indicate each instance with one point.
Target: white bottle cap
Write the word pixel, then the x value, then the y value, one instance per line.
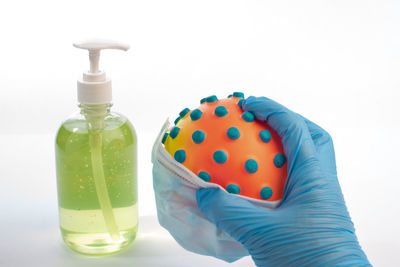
pixel 95 87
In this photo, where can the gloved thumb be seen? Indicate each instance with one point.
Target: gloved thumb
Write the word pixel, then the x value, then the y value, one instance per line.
pixel 236 216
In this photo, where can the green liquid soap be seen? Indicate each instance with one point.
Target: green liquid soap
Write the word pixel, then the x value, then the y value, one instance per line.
pixel 84 143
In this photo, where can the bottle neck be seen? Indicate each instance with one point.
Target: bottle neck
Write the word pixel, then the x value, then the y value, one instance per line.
pixel 95 115
pixel 95 109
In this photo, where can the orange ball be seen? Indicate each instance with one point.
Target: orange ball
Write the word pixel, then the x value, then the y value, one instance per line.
pixel 224 145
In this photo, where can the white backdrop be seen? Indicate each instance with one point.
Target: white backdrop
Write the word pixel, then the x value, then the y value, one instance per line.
pixel 335 62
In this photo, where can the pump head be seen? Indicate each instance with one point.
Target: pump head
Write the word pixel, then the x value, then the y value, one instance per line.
pixel 95 87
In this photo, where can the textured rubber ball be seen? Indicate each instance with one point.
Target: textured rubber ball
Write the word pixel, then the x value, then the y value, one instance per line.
pixel 177 120
pixel 221 111
pixel 265 136
pixel 174 132
pixel 247 116
pixel 220 156
pixel 205 176
pixel 198 136
pixel 196 114
pixel 233 133
pixel 240 103
pixel 238 94
pixel 251 166
pixel 279 160
pixel 164 138
pixel 233 189
pixel 180 155
pixel 266 192
pixel 203 100
pixel 184 112
pixel 212 98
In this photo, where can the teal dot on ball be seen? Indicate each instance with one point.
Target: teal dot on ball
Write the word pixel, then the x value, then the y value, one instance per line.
pixel 212 99
pixel 221 111
pixel 196 114
pixel 203 100
pixel 180 156
pixel 177 120
pixel 205 176
pixel 248 116
pixel 220 156
pixel 238 94
pixel 233 133
pixel 198 136
pixel 251 166
pixel 279 160
pixel 265 136
pixel 233 189
pixel 174 132
pixel 240 103
pixel 164 138
pixel 184 112
pixel 266 193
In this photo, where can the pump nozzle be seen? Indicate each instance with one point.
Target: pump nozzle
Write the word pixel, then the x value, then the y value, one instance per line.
pixel 95 88
pixel 94 46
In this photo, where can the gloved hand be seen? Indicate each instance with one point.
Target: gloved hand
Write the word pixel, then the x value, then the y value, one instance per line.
pixel 312 226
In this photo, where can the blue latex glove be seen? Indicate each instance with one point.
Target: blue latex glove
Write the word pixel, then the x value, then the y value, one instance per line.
pixel 312 226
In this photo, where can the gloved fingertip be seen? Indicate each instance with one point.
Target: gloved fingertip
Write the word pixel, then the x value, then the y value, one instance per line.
pixel 252 99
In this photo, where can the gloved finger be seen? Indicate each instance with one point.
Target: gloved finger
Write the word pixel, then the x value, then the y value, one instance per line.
pixel 323 145
pixel 318 134
pixel 236 216
pixel 305 173
pixel 296 138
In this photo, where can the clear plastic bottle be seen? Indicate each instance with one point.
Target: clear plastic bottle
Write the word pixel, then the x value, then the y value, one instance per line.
pixel 96 162
pixel 83 226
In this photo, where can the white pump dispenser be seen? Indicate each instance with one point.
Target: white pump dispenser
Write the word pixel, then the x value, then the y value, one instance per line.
pixel 95 87
pixel 96 161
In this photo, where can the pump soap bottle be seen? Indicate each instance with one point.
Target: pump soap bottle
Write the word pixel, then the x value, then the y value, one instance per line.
pixel 96 161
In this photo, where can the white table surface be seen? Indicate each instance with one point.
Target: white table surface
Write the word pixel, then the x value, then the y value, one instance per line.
pixel 38 243
pixel 29 219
